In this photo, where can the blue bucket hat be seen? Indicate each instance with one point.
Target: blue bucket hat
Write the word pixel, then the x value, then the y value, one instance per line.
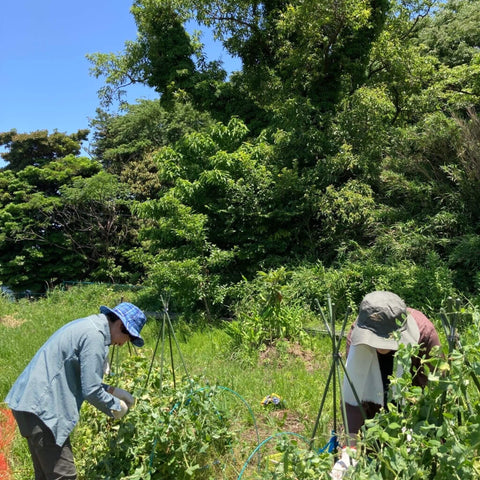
pixel 132 317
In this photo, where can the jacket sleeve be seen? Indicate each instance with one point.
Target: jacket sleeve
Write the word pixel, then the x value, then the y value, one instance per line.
pixel 92 354
pixel 428 339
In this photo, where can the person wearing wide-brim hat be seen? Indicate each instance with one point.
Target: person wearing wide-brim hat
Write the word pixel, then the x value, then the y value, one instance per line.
pixel 67 370
pixel 383 323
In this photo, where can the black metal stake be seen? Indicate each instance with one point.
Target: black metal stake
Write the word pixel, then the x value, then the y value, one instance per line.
pixel 334 373
pixel 166 327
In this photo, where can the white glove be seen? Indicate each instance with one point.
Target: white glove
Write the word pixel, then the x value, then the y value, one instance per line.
pixel 106 367
pixel 117 414
pixel 122 395
pixel 345 462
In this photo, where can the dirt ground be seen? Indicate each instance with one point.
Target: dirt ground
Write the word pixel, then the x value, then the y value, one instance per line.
pixel 11 321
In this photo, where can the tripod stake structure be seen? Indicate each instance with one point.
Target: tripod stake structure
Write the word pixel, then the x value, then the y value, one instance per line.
pixel 334 377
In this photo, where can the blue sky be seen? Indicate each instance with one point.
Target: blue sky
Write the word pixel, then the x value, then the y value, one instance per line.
pixel 44 75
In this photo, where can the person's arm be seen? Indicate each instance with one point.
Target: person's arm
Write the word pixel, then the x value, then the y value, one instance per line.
pixel 122 394
pixel 91 359
pixel 354 419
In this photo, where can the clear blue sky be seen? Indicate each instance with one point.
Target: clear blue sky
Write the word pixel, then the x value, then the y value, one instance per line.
pixel 44 75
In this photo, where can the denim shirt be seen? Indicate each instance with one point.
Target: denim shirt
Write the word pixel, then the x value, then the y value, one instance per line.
pixel 65 371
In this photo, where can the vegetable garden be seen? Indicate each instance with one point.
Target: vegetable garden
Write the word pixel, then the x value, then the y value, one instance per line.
pixel 196 420
pixel 341 159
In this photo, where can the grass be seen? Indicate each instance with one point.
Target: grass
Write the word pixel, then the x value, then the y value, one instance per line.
pixel 296 372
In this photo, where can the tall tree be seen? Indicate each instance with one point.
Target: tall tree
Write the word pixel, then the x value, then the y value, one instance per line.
pixel 452 32
pixel 221 212
pixel 63 218
pixel 33 249
pixel 313 49
pixel 38 148
pixel 95 220
pixel 124 143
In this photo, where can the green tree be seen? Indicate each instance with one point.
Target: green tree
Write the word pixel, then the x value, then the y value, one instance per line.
pixel 168 59
pixel 95 219
pixel 38 148
pixel 452 33
pixel 124 142
pixel 159 58
pixel 33 250
pixel 162 57
pixel 63 219
pixel 222 212
pixel 315 50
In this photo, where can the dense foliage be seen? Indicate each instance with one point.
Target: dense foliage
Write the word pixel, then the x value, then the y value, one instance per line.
pixel 345 149
pixel 172 433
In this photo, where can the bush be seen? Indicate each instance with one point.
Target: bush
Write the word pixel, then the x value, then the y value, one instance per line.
pixel 264 315
pixel 424 286
pixel 171 433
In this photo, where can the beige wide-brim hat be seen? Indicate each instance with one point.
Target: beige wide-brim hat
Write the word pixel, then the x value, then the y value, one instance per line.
pixel 380 315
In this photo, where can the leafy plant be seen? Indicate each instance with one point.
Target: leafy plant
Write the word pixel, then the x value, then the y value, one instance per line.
pixel 175 433
pixel 295 461
pixel 430 433
pixel 266 318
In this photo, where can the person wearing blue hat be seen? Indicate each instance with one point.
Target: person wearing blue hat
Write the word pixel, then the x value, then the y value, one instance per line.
pixel 67 370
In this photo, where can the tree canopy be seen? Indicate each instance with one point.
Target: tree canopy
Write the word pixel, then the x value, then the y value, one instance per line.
pixel 348 138
pixel 38 148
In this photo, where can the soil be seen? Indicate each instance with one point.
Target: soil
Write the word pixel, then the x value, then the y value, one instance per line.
pixel 11 321
pixel 272 355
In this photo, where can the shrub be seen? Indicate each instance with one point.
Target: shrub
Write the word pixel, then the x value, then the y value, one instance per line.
pixel 421 286
pixel 171 433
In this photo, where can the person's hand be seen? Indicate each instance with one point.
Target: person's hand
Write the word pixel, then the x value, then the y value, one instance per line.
pixel 117 414
pixel 122 395
pixel 345 462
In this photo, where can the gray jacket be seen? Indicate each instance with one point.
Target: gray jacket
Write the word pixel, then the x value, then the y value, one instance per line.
pixel 65 371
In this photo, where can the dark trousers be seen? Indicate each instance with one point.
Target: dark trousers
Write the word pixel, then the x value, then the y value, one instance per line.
pixel 50 462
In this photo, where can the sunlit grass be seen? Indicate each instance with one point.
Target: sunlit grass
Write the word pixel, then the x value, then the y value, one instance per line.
pixel 296 372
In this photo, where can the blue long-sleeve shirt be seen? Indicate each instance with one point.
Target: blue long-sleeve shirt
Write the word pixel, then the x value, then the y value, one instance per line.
pixel 65 371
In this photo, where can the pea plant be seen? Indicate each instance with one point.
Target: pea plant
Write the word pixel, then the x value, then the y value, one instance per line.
pixel 177 433
pixel 187 433
pixel 432 433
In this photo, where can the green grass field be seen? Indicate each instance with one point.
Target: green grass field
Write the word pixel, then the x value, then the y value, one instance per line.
pixel 296 372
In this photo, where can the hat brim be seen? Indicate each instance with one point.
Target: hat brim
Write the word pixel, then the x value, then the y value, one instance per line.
pixel 409 334
pixel 136 339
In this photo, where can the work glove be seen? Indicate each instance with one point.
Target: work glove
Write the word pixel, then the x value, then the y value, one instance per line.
pixel 117 414
pixel 122 395
pixel 106 367
pixel 342 465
